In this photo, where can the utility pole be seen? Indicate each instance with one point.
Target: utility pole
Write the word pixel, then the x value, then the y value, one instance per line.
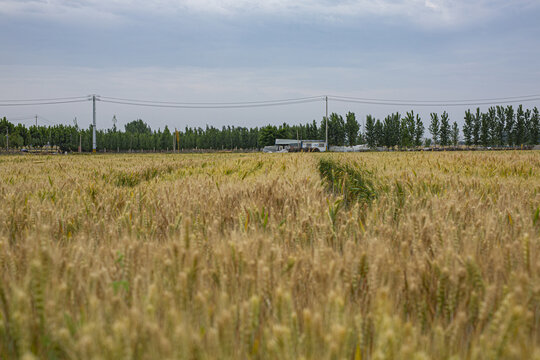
pixel 7 138
pixel 326 98
pixel 36 120
pixel 94 125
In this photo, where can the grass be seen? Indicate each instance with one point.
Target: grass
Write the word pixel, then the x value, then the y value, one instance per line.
pixel 234 256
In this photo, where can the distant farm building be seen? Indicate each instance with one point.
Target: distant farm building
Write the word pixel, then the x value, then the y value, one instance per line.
pixel 293 145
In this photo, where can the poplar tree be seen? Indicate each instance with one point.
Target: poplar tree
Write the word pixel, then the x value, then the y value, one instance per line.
pixel 371 139
pixel 379 133
pixel 418 131
pixel 492 126
pixel 510 121
pixel 477 125
pixel 352 127
pixel 408 130
pixel 500 125
pixel 484 129
pixel 455 134
pixel 434 128
pixel 444 131
pixel 534 132
pixel 519 128
pixel 468 128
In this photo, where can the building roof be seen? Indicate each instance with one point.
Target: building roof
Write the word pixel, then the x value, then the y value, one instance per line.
pixel 294 141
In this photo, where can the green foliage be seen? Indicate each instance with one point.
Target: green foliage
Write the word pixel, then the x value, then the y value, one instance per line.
pixel 468 128
pixel 349 181
pixel 371 136
pixel 408 130
pixel 268 135
pixel 351 128
pixel 138 127
pixel 444 130
pixel 510 121
pixel 519 133
pixel 379 133
pixel 477 126
pixel 434 128
pixel 392 130
pixel 455 134
pixel 418 131
pixel 336 130
pixel 499 126
pixel 534 132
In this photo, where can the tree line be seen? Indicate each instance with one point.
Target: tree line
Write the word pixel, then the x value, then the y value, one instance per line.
pixel 498 126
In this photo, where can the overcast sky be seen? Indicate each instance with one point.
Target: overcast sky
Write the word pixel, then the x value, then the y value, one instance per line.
pixel 250 50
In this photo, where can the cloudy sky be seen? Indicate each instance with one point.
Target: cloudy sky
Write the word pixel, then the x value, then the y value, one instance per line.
pixel 251 50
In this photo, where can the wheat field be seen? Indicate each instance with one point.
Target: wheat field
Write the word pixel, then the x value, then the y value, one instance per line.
pixel 281 256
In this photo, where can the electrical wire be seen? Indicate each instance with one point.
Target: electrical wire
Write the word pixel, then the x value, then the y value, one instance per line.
pixel 269 103
pixel 431 104
pixel 50 99
pixel 215 106
pixel 240 103
pixel 44 103
pixel 21 118
pixel 523 97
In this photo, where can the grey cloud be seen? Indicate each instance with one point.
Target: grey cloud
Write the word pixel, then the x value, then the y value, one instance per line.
pixel 424 13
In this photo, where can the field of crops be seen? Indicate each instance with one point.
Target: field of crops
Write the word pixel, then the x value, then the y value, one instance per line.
pixel 282 256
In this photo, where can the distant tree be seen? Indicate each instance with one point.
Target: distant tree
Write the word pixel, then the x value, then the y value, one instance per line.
pixel 312 131
pixel 371 138
pixel 138 127
pixel 408 130
pixel 6 126
pixel 351 128
pixel 499 126
pixel 444 130
pixel 267 135
pixel 165 141
pixel 534 133
pixel 510 121
pixel 418 131
pixel 455 134
pixel 379 133
pixel 492 126
pixel 322 129
pixel 434 128
pixel 468 128
pixel 392 130
pixel 477 125
pixel 519 128
pixel 528 125
pixel 484 129
pixel 336 130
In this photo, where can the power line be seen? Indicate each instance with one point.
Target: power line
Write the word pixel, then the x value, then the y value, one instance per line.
pixel 50 99
pixel 239 103
pixel 335 97
pixel 43 103
pixel 269 103
pixel 216 106
pixel 432 104
pixel 20 118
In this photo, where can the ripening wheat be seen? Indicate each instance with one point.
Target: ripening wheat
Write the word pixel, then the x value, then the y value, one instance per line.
pixel 282 256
